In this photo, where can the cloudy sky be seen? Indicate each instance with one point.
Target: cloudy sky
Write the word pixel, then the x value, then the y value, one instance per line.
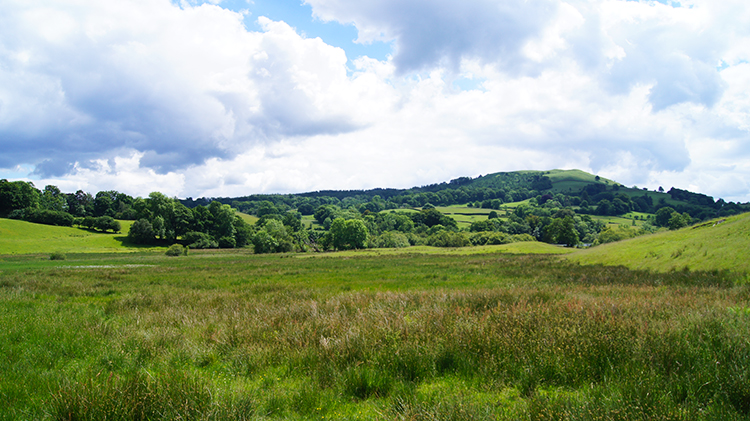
pixel 233 97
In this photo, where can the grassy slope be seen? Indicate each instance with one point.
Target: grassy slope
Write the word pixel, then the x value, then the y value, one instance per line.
pixel 565 181
pixel 19 237
pixel 704 247
pixel 250 219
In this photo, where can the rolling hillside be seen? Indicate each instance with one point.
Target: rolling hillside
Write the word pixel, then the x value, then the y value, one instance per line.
pixel 720 244
pixel 19 237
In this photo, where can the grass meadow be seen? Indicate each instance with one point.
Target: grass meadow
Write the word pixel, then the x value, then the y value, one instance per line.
pixel 715 245
pixel 404 335
pixel 20 237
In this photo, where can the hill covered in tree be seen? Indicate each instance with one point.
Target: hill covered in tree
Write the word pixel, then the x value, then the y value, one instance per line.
pixel 585 193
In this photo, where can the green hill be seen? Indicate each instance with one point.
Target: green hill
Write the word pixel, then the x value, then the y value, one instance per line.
pixel 19 237
pixel 720 244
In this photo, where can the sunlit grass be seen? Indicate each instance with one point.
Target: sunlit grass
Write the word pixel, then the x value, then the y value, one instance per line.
pixel 20 237
pixel 713 245
pixel 421 335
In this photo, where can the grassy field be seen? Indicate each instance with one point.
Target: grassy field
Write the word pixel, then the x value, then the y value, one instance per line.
pixel 566 181
pixel 250 219
pixel 715 245
pixel 518 331
pixel 414 335
pixel 19 237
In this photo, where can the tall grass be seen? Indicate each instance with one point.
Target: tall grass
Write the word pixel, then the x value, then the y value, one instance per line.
pixel 414 337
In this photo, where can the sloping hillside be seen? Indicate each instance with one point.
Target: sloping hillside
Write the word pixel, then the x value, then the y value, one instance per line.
pixel 19 237
pixel 716 245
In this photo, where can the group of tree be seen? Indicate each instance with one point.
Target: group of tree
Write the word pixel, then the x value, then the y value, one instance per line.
pixel 22 200
pixel 600 197
pixel 160 219
pixel 368 218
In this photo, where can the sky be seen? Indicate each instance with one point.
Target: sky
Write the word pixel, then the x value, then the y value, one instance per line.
pixel 226 98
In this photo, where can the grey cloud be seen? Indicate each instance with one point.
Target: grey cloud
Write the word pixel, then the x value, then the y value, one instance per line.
pixel 430 33
pixel 53 168
pixel 679 62
pixel 125 90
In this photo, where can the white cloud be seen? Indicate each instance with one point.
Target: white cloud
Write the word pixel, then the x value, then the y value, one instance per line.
pixel 145 95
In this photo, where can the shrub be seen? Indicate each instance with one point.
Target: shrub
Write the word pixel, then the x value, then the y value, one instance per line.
pixel 227 242
pixel 448 239
pixel 57 256
pixel 199 240
pixel 105 223
pixel 490 238
pixel 391 239
pixel 43 216
pixel 176 250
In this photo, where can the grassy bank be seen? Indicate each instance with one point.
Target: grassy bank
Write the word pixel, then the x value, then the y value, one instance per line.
pixel 20 237
pixel 715 245
pixel 229 335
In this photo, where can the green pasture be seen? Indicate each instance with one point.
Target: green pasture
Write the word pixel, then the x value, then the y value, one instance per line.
pixel 463 210
pixel 250 219
pixel 19 237
pixel 421 335
pixel 715 245
pixel 566 181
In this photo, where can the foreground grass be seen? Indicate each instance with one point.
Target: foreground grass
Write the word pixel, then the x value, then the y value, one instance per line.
pixel 414 336
pixel 716 245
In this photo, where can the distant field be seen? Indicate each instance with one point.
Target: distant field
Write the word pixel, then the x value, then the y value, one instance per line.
pixel 566 181
pixel 19 237
pixel 711 246
pixel 250 219
pixel 465 215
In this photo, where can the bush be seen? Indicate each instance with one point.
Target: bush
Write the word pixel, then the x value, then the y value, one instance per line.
pixel 57 256
pixel 227 242
pixel 391 239
pixel 105 223
pixel 490 238
pixel 17 214
pixel 177 250
pixel 199 240
pixel 43 216
pixel 448 239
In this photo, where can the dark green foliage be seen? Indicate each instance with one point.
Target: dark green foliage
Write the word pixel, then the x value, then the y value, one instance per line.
pixel 293 220
pixel 57 256
pixel 444 238
pixel 346 235
pixel 199 240
pixel 227 242
pixel 677 221
pixel 663 215
pixel 142 232
pixel 44 216
pixel 106 223
pixel 273 237
pixel 16 195
pixel 561 231
pixel 324 212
